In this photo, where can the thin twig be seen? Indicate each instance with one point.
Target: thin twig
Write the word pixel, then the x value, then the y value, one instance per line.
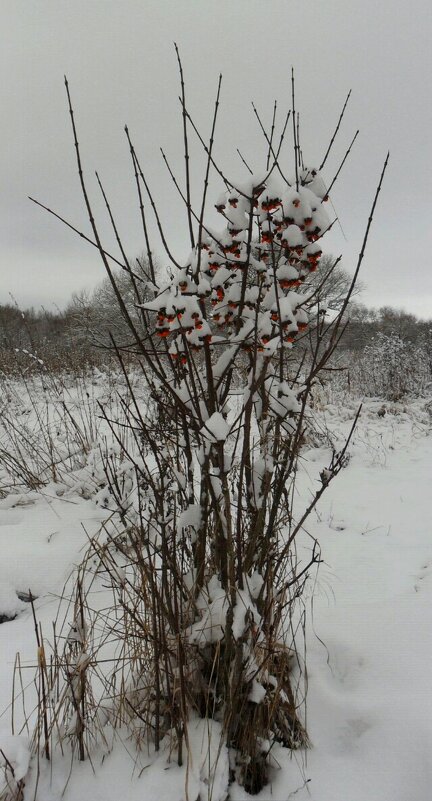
pixel 186 148
pixel 271 135
pixel 335 132
pixel 294 129
pixel 342 162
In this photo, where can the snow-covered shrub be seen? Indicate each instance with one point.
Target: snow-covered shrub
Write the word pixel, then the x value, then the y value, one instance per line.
pixel 391 367
pixel 205 575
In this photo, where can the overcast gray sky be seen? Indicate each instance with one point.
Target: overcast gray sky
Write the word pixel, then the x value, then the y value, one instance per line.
pixel 120 62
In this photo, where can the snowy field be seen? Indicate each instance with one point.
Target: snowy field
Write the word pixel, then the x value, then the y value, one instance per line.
pixel 369 645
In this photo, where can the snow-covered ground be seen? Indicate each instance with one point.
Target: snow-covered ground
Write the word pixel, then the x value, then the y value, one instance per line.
pixel 369 643
pixel 369 706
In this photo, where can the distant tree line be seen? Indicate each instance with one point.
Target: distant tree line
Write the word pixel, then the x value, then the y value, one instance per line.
pixel 82 334
pixel 366 323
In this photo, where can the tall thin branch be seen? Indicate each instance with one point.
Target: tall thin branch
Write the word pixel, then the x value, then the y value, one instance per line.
pixel 227 183
pixel 364 243
pixel 294 128
pixel 245 162
pixel 267 138
pixel 117 292
pixel 343 162
pixel 117 236
pixel 335 132
pixel 155 212
pixel 207 172
pixel 81 234
pixel 141 205
pixel 271 135
pixel 186 147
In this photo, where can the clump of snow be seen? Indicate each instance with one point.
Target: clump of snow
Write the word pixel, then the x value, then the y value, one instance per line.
pixel 216 428
pixel 190 518
pixel 257 692
pixel 213 606
pixel 254 584
pixel 10 604
pixel 245 614
pixel 15 754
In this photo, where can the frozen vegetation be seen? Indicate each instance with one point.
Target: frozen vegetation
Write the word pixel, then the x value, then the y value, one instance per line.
pixel 192 608
pixel 367 605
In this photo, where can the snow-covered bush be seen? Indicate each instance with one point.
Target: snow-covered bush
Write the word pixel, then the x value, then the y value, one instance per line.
pixel 205 575
pixel 389 367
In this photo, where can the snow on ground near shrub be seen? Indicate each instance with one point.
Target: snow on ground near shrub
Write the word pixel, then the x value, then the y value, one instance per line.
pixel 15 756
pixel 139 777
pixel 369 705
pixel 41 541
pixel 369 643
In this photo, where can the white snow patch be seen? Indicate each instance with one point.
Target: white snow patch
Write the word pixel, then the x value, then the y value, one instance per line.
pixel 215 429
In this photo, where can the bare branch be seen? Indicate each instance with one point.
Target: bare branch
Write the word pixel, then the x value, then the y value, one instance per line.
pixel 335 132
pixel 186 147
